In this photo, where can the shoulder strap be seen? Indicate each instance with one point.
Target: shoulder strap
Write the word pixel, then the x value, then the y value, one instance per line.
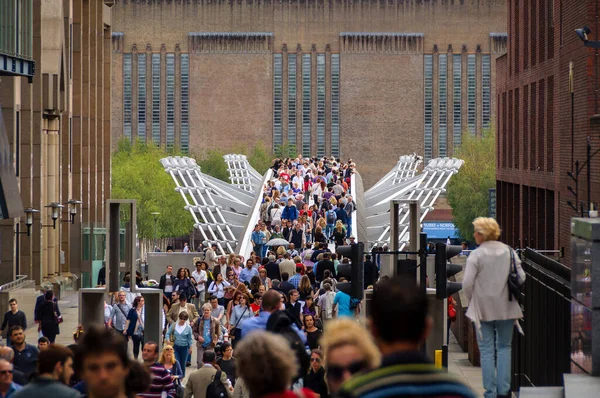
pixel 122 312
pixel 241 317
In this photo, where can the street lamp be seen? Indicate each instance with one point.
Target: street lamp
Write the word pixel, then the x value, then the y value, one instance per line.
pixel 55 206
pixel 29 212
pixel 73 204
pixel 155 214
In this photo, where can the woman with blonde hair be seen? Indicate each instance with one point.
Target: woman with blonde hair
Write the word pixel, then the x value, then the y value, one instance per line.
pixel 339 234
pixel 491 307
pixel 168 360
pixel 348 349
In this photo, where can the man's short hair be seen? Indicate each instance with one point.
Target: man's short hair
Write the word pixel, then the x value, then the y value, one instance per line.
pixel 12 300
pixel 209 356
pixel 97 341
pixel 13 328
pixel 211 298
pixel 155 344
pixel 285 276
pixel 43 339
pixel 271 300
pixel 399 310
pixel 48 359
pixel 293 291
pixel 7 353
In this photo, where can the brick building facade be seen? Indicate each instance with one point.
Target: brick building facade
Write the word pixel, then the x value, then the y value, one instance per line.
pixel 542 133
pixel 58 128
pixel 363 79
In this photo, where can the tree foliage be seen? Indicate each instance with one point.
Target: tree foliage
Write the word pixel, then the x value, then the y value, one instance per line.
pixel 212 163
pixel 136 173
pixel 468 190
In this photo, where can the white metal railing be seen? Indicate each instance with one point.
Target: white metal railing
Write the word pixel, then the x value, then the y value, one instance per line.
pixel 19 280
pixel 245 242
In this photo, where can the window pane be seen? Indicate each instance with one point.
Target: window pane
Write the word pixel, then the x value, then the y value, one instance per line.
pixel 443 106
pixel 170 100
pixel 457 99
pixel 471 93
pixel 185 103
pixel 277 100
pixel 127 95
pixel 156 99
pixel 306 91
pixel 335 105
pixel 141 131
pixel 428 107
pixel 292 99
pixel 321 105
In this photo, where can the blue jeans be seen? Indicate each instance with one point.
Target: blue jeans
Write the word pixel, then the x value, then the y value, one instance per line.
pixel 495 360
pixel 349 227
pixel 181 355
pixel 329 230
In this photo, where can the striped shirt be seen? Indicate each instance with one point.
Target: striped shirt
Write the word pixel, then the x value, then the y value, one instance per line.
pixel 406 374
pixel 161 381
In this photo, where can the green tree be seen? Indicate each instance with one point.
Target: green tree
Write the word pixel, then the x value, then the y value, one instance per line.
pixel 212 163
pixel 136 173
pixel 260 157
pixel 468 190
pixel 285 151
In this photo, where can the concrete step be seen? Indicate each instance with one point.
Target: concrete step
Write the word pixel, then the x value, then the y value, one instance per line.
pixel 537 392
pixel 581 386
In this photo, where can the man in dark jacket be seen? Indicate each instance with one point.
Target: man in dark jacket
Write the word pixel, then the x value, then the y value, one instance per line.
pixel 167 281
pixel 371 272
pixel 324 264
pixel 272 269
pixel 285 286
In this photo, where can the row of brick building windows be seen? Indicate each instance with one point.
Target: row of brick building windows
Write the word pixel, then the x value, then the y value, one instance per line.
pixel 527 127
pixel 156 87
pixel 526 216
pixel 279 135
pixel 475 80
pixel 531 26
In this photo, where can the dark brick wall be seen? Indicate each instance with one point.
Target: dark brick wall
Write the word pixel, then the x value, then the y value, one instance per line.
pixel 534 122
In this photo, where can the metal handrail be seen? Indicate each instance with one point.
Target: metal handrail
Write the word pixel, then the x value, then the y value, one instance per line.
pixel 20 280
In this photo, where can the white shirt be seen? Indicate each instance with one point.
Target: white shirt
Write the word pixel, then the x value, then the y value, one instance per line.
pixel 200 278
pixel 186 249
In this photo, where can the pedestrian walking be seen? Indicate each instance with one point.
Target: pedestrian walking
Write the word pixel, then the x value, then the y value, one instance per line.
pixel 26 355
pixel 206 332
pixel 399 325
pixel 118 314
pixel 162 384
pixel 485 284
pixel 207 375
pixel 167 280
pixel 180 335
pixel 55 368
pixel 134 328
pixel 49 316
pixel 12 318
pixel 105 366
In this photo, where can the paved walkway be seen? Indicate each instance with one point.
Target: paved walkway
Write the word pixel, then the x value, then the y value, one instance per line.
pixel 69 307
pixel 458 363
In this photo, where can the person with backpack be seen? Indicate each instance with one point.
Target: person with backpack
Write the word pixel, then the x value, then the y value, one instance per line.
pixel 207 381
pixel 330 218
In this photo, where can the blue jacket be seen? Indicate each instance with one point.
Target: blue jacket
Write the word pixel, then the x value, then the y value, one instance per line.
pixel 289 213
pixel 185 339
pixel 342 215
pixel 132 317
pixel 260 323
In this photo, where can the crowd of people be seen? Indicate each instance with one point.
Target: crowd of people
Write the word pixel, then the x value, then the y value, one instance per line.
pixel 280 323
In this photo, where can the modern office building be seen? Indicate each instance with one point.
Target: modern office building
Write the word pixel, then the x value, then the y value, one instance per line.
pixel 548 109
pixel 57 119
pixel 367 80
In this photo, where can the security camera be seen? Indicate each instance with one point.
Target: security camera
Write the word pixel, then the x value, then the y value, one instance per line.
pixel 583 33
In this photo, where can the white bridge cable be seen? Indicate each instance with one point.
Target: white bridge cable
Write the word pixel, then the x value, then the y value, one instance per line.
pixel 425 188
pixel 241 173
pixel 216 207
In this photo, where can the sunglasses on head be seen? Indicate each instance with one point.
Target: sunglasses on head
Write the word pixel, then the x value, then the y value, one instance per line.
pixel 335 372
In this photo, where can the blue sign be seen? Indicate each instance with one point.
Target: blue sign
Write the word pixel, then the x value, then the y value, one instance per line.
pixel 440 230
pixel 492 202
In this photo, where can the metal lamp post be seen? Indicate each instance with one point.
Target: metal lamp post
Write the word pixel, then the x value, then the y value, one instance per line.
pixel 155 214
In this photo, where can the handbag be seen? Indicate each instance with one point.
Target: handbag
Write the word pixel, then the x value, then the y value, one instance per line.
pixel 451 312
pixel 515 284
pixel 235 329
pixel 172 335
pixel 57 318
